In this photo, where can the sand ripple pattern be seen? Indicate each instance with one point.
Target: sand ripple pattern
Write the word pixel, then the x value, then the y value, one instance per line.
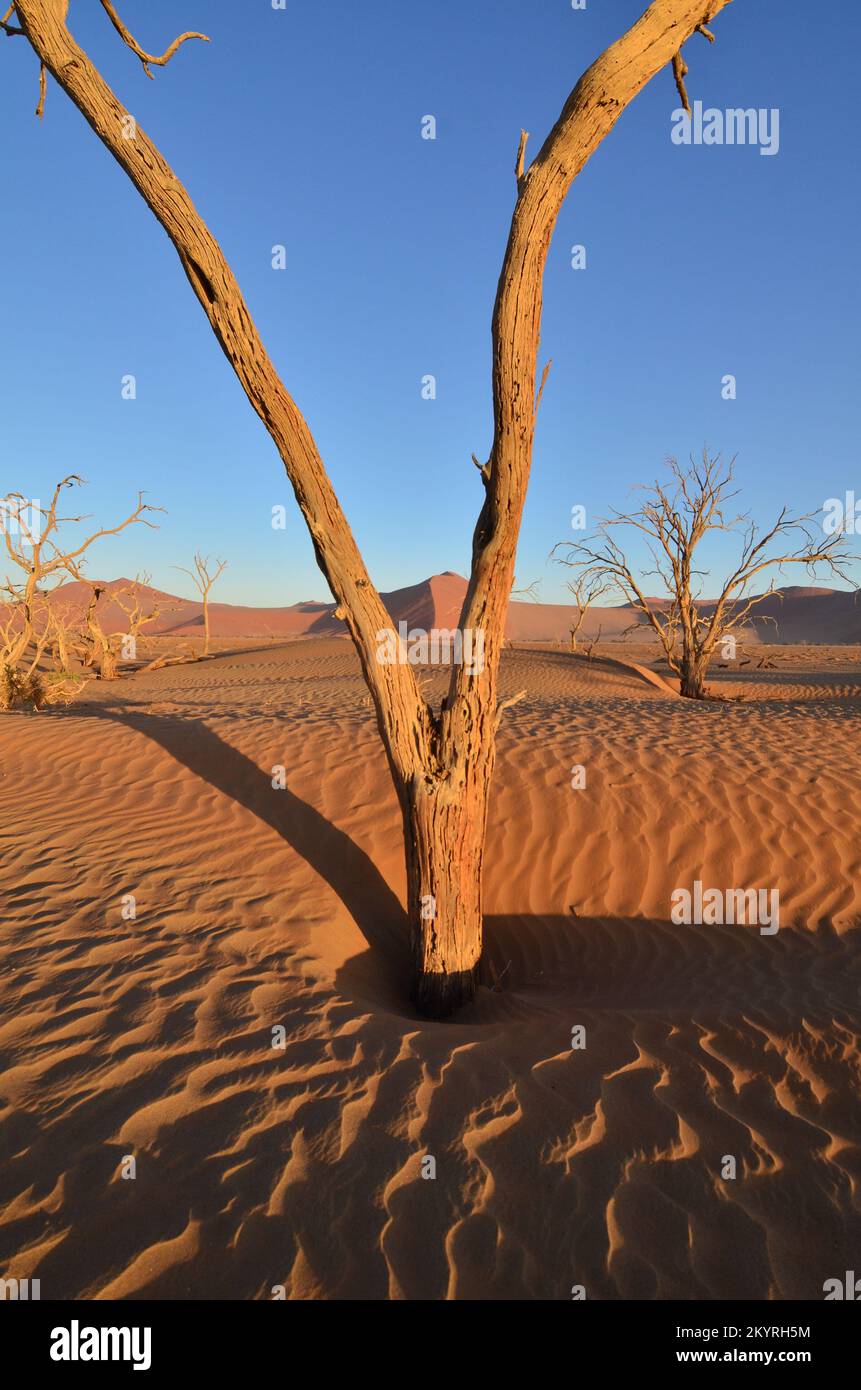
pixel 301 1165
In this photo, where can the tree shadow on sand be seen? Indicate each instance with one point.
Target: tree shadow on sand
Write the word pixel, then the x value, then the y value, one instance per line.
pixel 330 852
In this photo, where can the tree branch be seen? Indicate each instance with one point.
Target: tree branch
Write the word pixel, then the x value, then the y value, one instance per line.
pixel 544 375
pixel 132 43
pixel 507 704
pixel 680 72
pixel 521 157
pixel 9 29
pixel 400 709
pixel 590 113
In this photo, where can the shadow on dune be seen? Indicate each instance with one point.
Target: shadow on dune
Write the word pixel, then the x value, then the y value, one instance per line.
pixel 330 852
pixel 551 962
pixel 643 963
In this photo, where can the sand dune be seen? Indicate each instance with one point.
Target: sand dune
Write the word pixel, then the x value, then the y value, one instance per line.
pixel 258 909
pixel 792 615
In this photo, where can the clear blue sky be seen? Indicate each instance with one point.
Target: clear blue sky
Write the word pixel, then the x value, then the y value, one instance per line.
pixel 303 127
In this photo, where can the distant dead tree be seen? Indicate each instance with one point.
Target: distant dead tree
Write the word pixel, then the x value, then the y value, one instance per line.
pixel 203 577
pixel 585 591
pixel 102 650
pixel 590 648
pixel 675 518
pixel 33 619
pixel 130 599
pixel 441 761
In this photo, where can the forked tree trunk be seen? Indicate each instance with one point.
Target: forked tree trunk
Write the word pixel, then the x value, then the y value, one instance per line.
pixel 444 832
pixel 441 762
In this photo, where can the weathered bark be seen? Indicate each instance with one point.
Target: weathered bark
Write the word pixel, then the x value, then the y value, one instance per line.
pixel 441 764
pixel 444 831
pixel 101 653
pixel 692 680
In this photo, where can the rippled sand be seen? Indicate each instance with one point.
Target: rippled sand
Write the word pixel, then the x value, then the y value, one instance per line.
pixel 257 908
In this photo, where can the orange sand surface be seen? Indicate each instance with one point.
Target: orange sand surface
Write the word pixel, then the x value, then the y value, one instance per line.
pixel 257 908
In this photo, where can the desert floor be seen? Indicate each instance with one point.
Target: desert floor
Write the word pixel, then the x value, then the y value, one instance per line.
pixel 258 908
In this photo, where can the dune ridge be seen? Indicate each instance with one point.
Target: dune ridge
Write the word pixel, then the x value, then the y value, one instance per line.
pixel 793 614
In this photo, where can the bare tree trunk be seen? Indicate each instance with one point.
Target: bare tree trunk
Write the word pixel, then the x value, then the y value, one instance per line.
pixel 204 577
pixel 441 763
pixel 692 666
pixel 692 680
pixel 444 831
pixel 103 655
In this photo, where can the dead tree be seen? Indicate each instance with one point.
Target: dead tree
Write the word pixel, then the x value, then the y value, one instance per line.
pixel 33 616
pixel 442 760
pixel 203 579
pixel 97 646
pixel 585 591
pixel 675 518
pixel 25 634
pixel 590 650
pixel 129 599
pixel 101 651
